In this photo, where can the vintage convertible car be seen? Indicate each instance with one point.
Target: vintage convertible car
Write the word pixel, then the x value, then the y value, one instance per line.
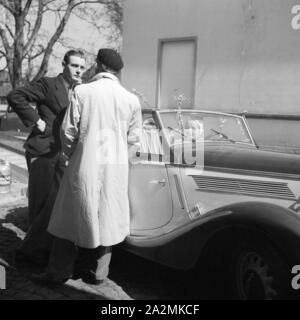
pixel 202 191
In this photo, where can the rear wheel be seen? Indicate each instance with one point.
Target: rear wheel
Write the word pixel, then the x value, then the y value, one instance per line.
pixel 258 272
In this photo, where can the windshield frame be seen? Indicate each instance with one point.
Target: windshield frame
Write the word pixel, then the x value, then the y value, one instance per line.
pixel 191 111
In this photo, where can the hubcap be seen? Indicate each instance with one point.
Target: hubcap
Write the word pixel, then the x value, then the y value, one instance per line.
pixel 254 278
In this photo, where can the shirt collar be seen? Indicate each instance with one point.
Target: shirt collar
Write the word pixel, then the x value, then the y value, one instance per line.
pixel 105 75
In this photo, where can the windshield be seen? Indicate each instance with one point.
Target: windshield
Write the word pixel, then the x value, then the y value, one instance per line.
pixel 206 126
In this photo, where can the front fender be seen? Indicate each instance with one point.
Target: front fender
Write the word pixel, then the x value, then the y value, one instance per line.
pixel 182 247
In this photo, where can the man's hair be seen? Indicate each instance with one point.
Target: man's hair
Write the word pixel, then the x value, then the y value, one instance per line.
pixel 74 52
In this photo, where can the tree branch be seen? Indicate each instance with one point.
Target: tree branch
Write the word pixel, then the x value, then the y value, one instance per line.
pixel 35 30
pixel 29 28
pixel 52 41
pixel 27 7
pixel 46 2
pixel 2 69
pixel 7 5
pixel 89 17
pixel 9 31
pixel 19 22
pixel 47 8
pixel 3 53
pixel 38 53
pixel 4 38
pixel 96 1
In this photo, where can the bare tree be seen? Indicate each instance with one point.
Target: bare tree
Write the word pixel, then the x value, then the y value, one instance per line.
pixel 21 34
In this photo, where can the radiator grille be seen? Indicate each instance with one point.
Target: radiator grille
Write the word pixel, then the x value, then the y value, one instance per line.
pixel 254 188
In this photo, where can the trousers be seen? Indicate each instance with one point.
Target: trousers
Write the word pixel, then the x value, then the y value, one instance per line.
pixel 41 172
pixel 38 242
pixel 66 259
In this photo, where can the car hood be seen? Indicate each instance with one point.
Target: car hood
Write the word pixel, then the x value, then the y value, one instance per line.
pixel 245 158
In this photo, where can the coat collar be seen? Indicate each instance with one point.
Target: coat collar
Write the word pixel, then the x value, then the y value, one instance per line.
pixel 105 75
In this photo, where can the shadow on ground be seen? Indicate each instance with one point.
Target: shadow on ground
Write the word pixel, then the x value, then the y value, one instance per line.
pixel 143 279
pixel 137 278
pixel 13 226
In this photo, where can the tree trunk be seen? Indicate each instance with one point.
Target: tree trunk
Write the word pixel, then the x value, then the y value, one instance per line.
pixel 17 65
pixel 18 45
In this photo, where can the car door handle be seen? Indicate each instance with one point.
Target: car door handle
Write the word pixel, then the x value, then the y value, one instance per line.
pixel 160 182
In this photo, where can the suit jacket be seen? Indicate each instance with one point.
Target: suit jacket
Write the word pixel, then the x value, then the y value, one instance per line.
pixel 51 98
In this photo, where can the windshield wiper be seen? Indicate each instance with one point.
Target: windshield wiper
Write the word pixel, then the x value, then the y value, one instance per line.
pixel 223 135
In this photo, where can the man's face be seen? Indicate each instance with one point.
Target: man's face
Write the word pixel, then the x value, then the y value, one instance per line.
pixel 74 69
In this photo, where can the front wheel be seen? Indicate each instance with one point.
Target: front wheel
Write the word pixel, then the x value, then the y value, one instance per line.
pixel 258 272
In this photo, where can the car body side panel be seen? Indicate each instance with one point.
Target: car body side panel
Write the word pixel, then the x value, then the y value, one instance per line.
pixel 182 247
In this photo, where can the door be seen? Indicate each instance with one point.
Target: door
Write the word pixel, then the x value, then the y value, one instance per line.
pixel 149 191
pixel 176 74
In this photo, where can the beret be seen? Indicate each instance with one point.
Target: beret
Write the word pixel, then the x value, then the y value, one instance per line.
pixel 110 58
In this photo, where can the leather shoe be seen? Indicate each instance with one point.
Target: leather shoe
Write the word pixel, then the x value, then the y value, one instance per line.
pixel 46 279
pixel 86 277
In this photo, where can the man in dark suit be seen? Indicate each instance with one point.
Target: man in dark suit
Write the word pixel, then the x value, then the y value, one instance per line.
pixel 44 161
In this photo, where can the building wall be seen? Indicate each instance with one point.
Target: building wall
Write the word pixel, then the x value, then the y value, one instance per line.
pixel 248 54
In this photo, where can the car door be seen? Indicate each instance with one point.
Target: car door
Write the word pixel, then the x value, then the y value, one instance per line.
pixel 149 191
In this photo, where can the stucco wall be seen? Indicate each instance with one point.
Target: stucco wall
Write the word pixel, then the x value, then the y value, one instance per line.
pixel 248 54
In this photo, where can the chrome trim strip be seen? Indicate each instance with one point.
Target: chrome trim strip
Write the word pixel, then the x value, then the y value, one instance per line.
pixel 249 132
pixel 179 192
pixel 198 111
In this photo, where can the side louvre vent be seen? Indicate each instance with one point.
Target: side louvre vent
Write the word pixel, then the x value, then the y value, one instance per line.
pixel 254 188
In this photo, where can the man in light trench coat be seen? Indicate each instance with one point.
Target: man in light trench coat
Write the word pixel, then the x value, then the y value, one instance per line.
pixel 100 130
